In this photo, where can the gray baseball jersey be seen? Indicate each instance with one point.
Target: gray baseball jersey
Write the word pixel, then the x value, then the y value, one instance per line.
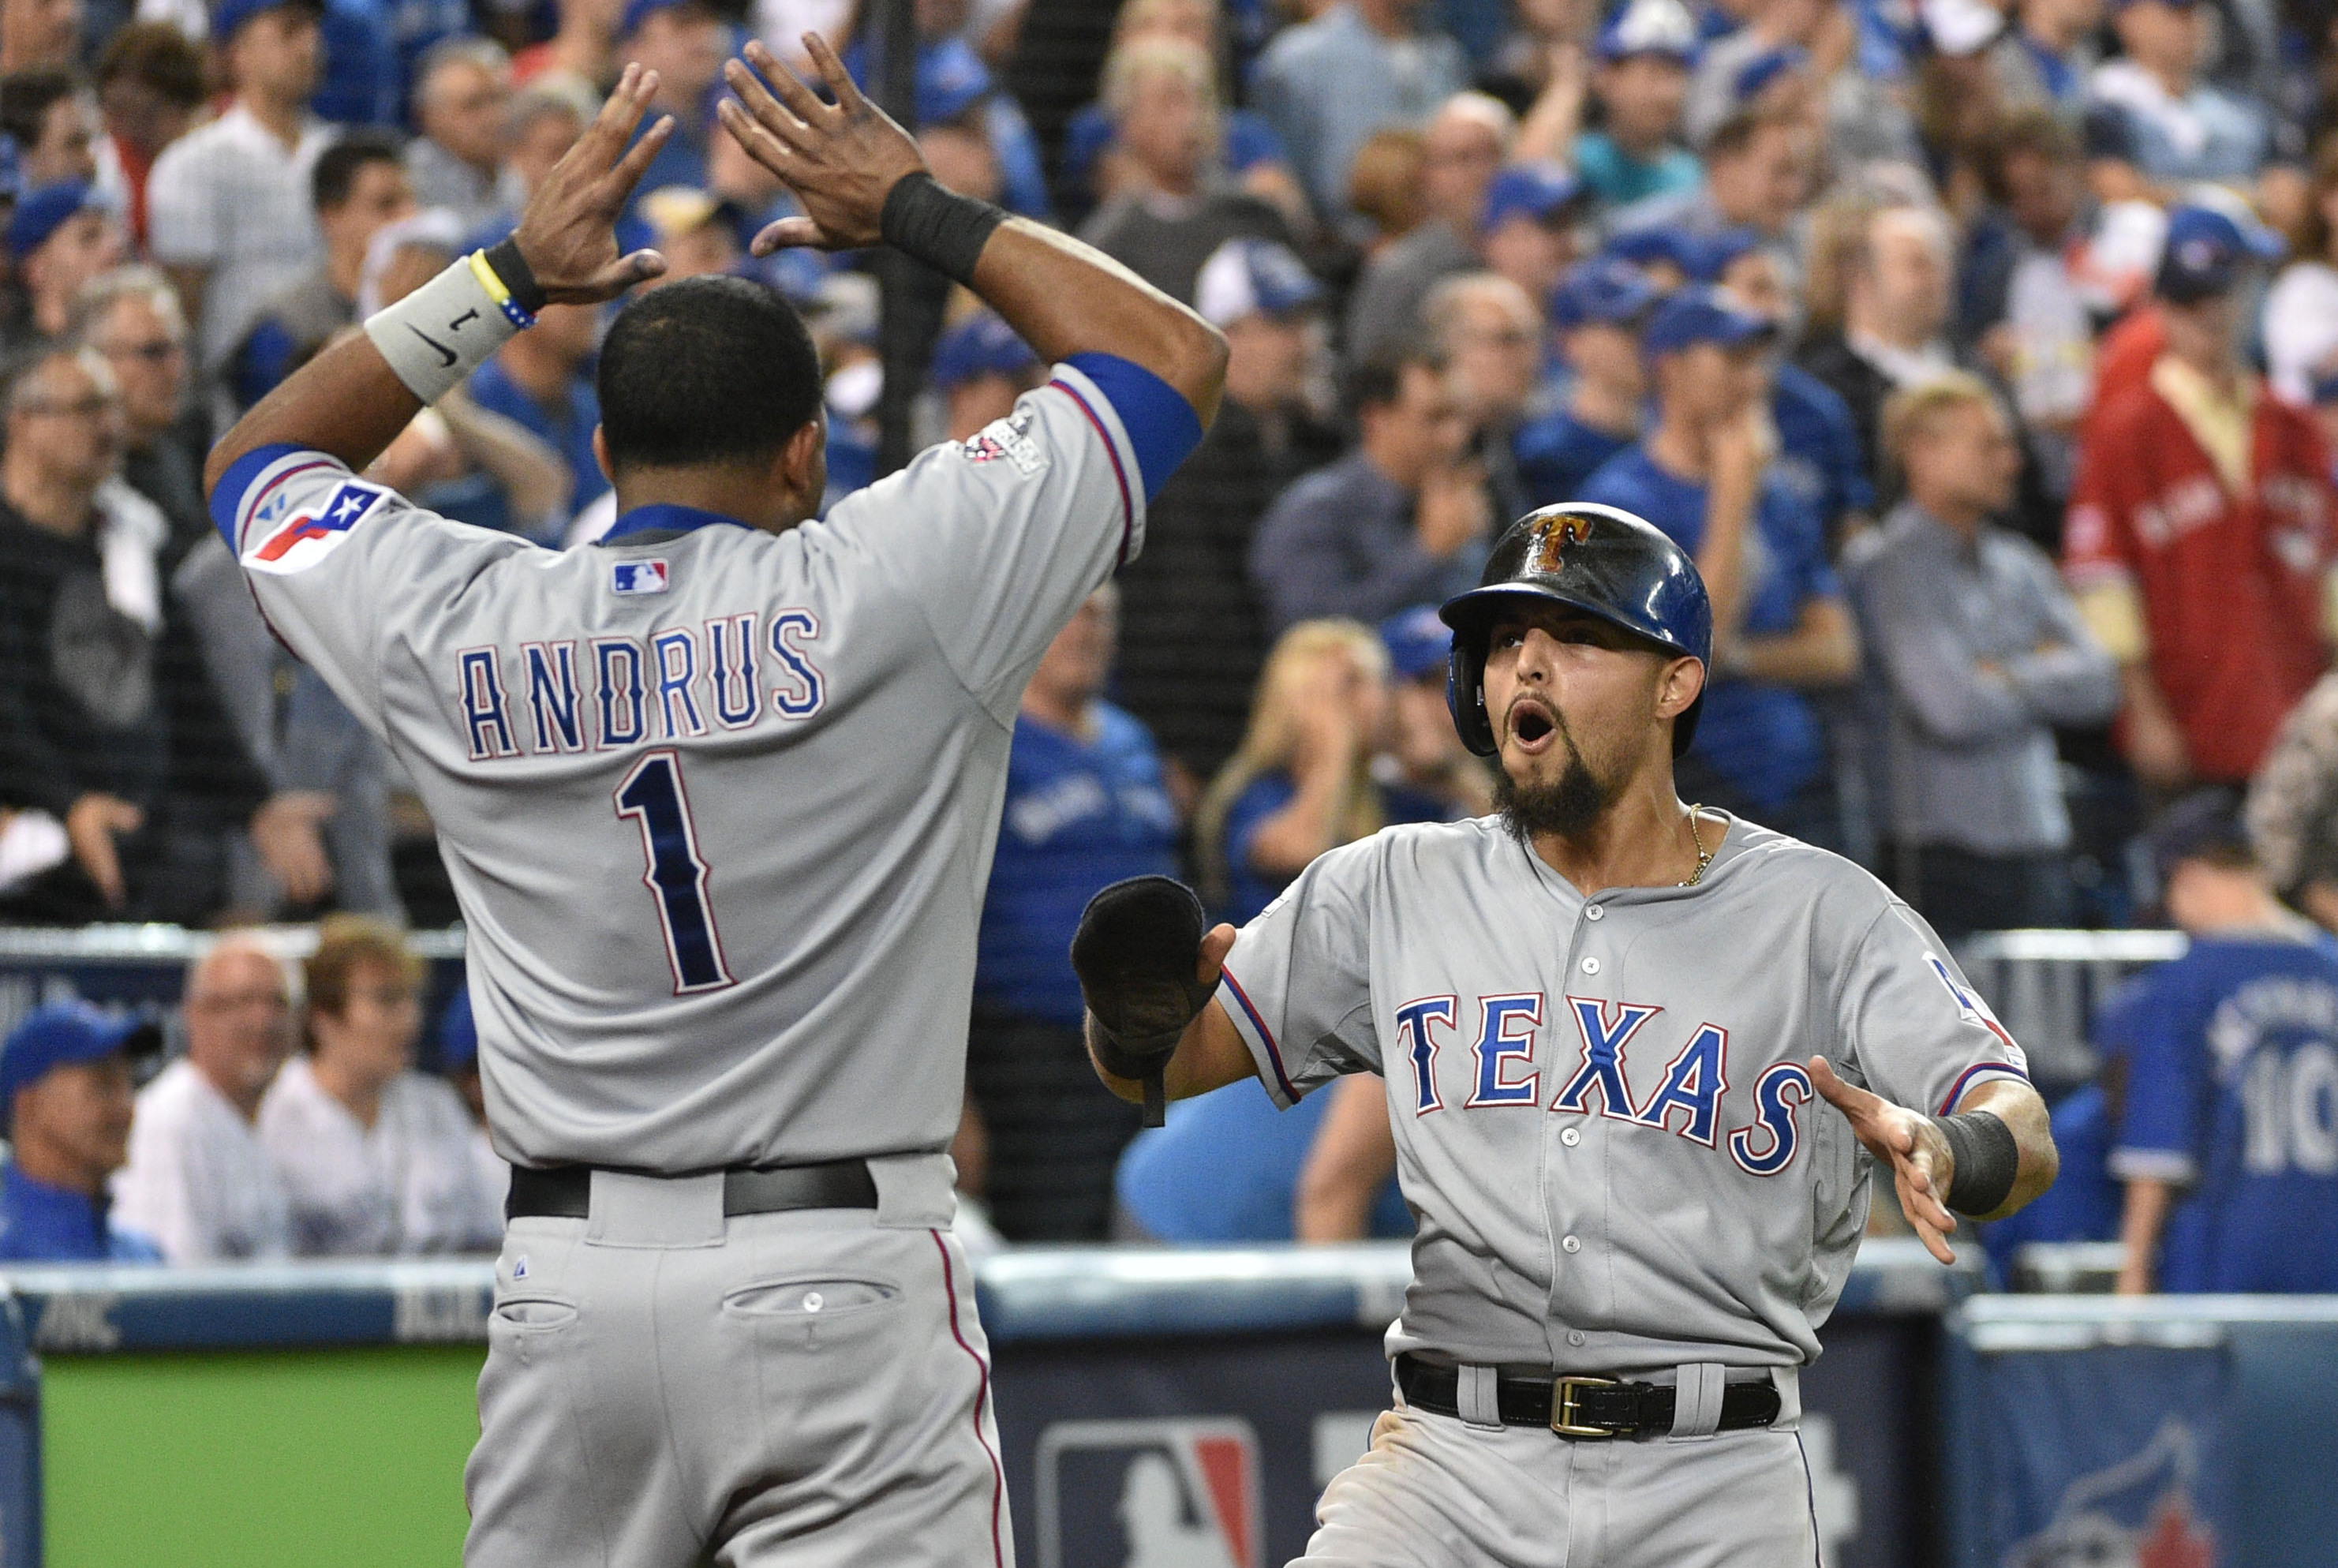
pixel 1603 1121
pixel 718 804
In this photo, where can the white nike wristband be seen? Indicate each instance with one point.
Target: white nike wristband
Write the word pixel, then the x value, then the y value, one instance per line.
pixel 437 335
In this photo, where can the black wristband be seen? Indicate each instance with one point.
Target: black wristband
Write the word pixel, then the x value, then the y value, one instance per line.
pixel 1987 1159
pixel 517 275
pixel 937 226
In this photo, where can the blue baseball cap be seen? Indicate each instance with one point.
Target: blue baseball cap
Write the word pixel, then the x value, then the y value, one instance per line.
pixel 951 77
pixel 1543 192
pixel 2211 242
pixel 1714 252
pixel 458 1032
pixel 1418 642
pixel 229 15
pixel 1661 245
pixel 42 212
pixel 1603 292
pixel 1701 314
pixel 1254 277
pixel 1767 68
pixel 2204 825
pixel 637 12
pixel 63 1033
pixel 981 345
pixel 1651 27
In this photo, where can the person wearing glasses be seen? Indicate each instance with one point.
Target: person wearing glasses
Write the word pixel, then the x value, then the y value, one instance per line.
pixel 131 317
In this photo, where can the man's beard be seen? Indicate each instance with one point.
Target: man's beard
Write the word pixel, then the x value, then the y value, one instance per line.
pixel 1564 808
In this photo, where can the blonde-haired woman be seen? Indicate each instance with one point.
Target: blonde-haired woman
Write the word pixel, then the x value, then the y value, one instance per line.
pixel 1302 781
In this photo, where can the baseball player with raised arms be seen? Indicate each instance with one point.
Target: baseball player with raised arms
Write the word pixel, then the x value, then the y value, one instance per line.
pixel 718 796
pixel 1608 1021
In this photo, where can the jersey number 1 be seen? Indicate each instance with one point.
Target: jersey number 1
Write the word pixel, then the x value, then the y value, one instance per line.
pixel 652 795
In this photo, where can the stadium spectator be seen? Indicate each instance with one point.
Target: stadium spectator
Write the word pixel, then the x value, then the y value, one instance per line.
pixel 107 719
pixel 1756 173
pixel 2301 310
pixel 2047 56
pixel 53 117
pixel 66 1086
pixel 1528 232
pixel 150 88
pixel 198 1181
pixel 1400 520
pixel 1085 806
pixel 376 1157
pixel 1975 654
pixel 2225 1141
pixel 2170 125
pixel 39 32
pixel 131 318
pixel 1172 205
pixel 1191 637
pixel 229 204
pixel 1425 773
pixel 1644 57
pixel 1597 314
pixel 583 46
pixel 1384 188
pixel 2293 806
pixel 683 42
pixel 1461 151
pixel 981 365
pixel 358 187
pixel 1490 331
pixel 61 238
pixel 1818 453
pixel 462 95
pixel 2199 537
pixel 543 122
pixel 1780 630
pixel 695 230
pixel 1328 83
pixel 459 1058
pixel 542 382
pixel 1896 314
pixel 1350 1166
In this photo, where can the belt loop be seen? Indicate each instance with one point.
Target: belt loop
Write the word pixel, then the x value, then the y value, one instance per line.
pixel 1788 1382
pixel 1474 1400
pixel 1696 1400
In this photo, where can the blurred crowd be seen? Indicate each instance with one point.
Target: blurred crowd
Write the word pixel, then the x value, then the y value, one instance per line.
pixel 1983 352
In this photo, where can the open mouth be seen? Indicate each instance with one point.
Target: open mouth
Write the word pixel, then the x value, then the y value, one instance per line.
pixel 1533 725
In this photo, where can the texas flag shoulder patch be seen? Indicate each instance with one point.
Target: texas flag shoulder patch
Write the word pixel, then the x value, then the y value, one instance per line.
pixel 637 576
pixel 311 532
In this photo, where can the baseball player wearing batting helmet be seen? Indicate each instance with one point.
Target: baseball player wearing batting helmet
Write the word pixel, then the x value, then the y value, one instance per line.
pixel 718 796
pixel 1643 1061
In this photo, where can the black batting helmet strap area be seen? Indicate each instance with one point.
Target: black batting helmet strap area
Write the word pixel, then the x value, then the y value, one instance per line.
pixel 1600 560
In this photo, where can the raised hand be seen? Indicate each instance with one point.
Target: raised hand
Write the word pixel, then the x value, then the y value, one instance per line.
pixel 1921 1165
pixel 568 233
pixel 841 159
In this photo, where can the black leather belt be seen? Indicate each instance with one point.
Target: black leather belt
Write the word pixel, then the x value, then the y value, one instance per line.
pixel 565 1192
pixel 1579 1407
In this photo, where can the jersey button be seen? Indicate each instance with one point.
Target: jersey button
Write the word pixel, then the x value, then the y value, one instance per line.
pixel 1569 1244
pixel 1569 1137
pixel 1591 966
pixel 1575 1336
pixel 1594 912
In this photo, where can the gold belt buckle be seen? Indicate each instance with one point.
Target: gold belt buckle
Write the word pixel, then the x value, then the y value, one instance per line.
pixel 1563 1405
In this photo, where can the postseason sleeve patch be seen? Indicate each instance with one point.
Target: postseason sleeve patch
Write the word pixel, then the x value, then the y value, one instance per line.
pixel 312 531
pixel 1006 440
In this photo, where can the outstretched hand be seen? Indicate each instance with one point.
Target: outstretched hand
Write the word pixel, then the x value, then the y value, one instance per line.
pixel 568 233
pixel 1921 1165
pixel 841 159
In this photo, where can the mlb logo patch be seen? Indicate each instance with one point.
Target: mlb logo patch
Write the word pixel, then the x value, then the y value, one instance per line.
pixel 1184 1493
pixel 637 576
pixel 313 533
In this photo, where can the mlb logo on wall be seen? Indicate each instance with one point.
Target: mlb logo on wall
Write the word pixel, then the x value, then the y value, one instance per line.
pixel 637 576
pixel 312 534
pixel 1162 1493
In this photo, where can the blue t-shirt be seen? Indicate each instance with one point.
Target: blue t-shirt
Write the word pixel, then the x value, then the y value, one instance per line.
pixel 1818 444
pixel 1619 179
pixel 1226 1167
pixel 1763 737
pixel 1557 454
pixel 45 1224
pixel 569 432
pixel 1248 891
pixel 1079 815
pixel 2231 1094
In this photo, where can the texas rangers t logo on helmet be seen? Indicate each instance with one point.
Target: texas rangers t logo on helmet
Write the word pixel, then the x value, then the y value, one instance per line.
pixel 1553 536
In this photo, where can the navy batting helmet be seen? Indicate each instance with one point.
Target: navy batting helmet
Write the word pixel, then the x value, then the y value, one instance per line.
pixel 1598 559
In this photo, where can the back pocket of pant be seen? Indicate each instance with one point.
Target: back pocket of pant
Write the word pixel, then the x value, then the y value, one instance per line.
pixel 809 1301
pixel 535 1312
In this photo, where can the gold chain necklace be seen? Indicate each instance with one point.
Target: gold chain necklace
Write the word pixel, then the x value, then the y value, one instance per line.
pixel 1703 855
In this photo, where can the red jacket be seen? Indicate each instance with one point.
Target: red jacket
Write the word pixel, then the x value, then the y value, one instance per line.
pixel 2230 588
